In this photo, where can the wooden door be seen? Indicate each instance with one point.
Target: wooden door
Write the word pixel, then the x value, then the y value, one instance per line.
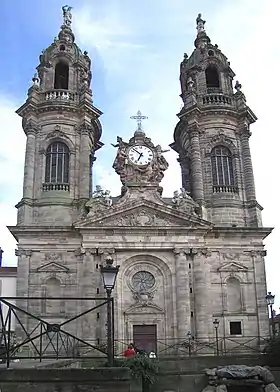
pixel 145 337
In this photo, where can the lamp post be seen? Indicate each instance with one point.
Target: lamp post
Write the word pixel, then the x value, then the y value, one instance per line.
pixel 216 323
pixel 109 275
pixel 270 302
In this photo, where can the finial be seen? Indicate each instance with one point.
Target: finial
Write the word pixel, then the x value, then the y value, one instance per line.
pixel 35 79
pixel 237 86
pixel 139 119
pixel 67 15
pixel 200 24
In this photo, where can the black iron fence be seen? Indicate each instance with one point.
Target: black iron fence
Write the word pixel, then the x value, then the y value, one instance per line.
pixel 67 328
pixel 31 330
pixel 192 346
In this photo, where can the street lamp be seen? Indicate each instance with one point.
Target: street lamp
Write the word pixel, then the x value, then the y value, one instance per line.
pixel 216 323
pixel 270 302
pixel 109 275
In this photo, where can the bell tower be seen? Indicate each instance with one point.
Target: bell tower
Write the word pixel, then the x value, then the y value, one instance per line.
pixel 63 132
pixel 212 137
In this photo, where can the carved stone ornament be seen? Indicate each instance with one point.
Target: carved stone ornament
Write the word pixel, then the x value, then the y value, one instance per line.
pixel 54 257
pixel 141 217
pixel 143 298
pixel 232 267
pixel 131 172
pixel 100 201
pixel 53 267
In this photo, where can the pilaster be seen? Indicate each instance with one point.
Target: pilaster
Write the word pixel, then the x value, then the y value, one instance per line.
pixel 196 166
pixel 182 293
pixel 85 167
pixel 89 320
pixel 22 290
pixel 202 293
pixel 29 164
pixel 260 291
pixel 247 165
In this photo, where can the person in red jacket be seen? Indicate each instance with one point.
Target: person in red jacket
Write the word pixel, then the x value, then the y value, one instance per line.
pixel 129 352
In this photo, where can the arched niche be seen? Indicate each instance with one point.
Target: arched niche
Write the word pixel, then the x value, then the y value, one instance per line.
pixel 234 294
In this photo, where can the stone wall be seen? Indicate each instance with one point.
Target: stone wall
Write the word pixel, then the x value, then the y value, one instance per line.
pixel 65 380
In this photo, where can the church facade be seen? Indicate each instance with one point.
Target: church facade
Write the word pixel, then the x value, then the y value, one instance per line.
pixel 184 261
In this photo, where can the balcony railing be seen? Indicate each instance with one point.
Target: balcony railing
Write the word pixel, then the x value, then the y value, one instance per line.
pixel 55 187
pixel 216 100
pixel 59 95
pixel 225 189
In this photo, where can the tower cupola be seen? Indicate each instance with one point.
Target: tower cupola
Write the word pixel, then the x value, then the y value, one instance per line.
pixel 212 136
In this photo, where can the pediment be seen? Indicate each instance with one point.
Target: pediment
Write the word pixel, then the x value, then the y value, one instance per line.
pixel 142 214
pixel 232 267
pixel 52 267
pixel 141 309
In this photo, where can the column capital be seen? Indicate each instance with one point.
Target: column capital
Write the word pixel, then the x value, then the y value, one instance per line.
pixel 23 252
pixel 193 130
pixel 106 251
pixel 202 252
pixel 256 253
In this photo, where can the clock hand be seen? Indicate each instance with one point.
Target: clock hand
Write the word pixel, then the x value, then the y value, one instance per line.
pixel 136 151
pixel 140 156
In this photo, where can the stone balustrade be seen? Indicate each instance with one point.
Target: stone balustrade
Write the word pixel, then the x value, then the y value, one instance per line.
pixel 59 95
pixel 225 189
pixel 216 99
pixel 56 187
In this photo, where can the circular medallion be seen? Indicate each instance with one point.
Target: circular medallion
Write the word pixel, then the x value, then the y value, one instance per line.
pixel 140 155
pixel 143 281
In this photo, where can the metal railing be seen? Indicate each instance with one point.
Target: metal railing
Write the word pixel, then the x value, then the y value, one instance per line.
pixel 27 332
pixel 223 346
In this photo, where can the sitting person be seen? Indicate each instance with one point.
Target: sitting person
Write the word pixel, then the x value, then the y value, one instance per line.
pixel 129 352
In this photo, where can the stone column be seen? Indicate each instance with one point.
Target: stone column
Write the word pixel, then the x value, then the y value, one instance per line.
pixel 196 166
pixel 22 288
pixel 182 294
pixel 247 165
pixel 84 168
pixel 202 294
pixel 89 291
pixel 29 165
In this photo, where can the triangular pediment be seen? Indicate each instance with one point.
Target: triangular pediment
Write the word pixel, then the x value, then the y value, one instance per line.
pixel 142 214
pixel 52 267
pixel 232 267
pixel 141 309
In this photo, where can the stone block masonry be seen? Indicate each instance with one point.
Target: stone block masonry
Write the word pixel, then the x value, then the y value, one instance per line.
pixel 65 380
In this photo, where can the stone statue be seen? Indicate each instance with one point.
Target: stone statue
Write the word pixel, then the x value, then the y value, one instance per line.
pixel 67 15
pixel 200 24
pixel 237 86
pixel 160 151
pixel 190 84
pixel 107 198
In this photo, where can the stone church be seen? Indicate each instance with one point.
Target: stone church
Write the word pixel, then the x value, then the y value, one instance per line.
pixel 184 261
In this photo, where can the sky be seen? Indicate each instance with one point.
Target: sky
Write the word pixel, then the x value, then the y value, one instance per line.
pixel 136 48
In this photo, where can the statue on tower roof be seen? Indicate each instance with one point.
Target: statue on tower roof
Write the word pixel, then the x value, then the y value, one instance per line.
pixel 200 24
pixel 67 15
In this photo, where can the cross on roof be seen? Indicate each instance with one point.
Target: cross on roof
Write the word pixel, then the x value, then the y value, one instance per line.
pixel 139 119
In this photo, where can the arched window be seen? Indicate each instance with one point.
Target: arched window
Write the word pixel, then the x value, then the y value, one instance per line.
pixel 222 167
pixel 233 295
pixel 57 164
pixel 61 76
pixel 212 77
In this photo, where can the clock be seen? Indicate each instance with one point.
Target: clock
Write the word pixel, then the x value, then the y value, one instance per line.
pixel 140 155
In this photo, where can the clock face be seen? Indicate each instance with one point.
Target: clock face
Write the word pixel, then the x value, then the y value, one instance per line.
pixel 140 155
